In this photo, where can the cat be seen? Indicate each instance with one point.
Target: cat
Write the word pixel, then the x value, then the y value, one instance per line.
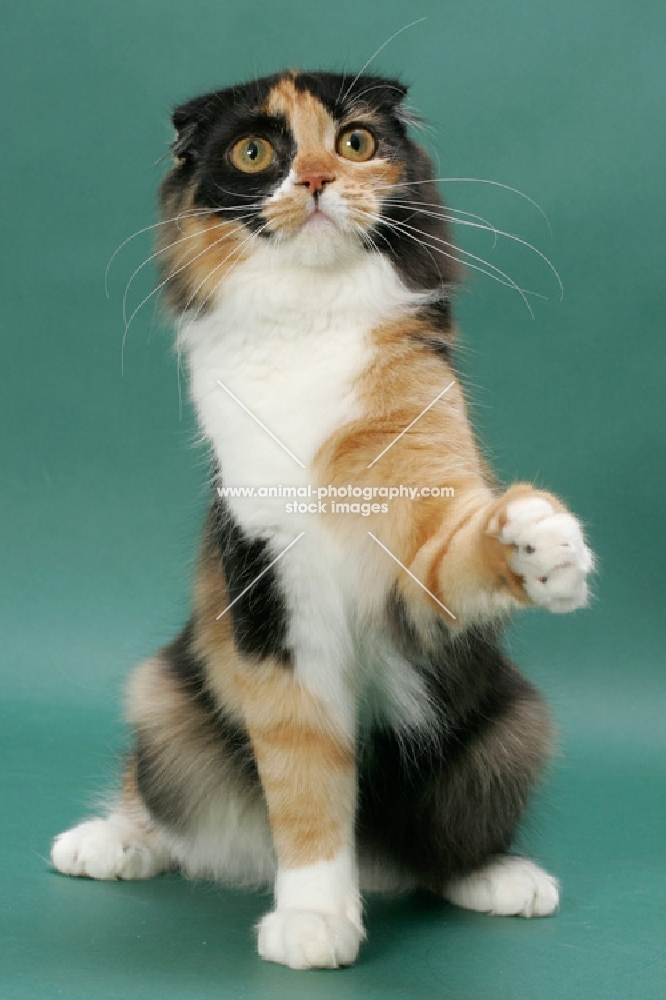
pixel 338 715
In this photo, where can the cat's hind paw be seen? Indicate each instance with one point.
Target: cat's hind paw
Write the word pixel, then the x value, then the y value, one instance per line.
pixel 111 848
pixel 305 939
pixel 549 553
pixel 506 887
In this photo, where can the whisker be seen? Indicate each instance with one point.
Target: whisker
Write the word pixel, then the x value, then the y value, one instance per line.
pixel 466 253
pixel 180 334
pixel 248 239
pixel 145 229
pixel 189 214
pixel 342 83
pixel 375 54
pixel 444 208
pixel 364 236
pixel 509 282
pixel 376 86
pixel 180 388
pixel 169 246
pixel 157 289
pixel 509 236
pixel 235 194
pixel 411 117
pixel 378 232
pixel 477 180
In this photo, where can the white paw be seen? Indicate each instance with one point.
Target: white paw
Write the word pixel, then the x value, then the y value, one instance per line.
pixel 106 849
pixel 305 939
pixel 550 553
pixel 506 887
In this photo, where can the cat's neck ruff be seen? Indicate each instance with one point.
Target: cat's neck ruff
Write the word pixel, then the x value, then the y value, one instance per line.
pixel 289 344
pixel 267 298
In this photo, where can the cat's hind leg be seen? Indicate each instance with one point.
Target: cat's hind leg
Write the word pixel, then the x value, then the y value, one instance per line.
pixel 448 814
pixel 122 845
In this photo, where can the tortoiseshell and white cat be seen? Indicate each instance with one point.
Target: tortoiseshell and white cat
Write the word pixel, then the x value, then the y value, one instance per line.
pixel 352 722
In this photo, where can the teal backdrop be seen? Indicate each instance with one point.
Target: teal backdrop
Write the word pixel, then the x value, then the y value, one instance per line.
pixel 103 488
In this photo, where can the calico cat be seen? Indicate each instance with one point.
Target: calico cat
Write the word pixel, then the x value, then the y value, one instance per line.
pixel 337 715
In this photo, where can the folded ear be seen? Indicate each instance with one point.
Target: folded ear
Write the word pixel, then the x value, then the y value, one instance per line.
pixel 189 120
pixel 379 92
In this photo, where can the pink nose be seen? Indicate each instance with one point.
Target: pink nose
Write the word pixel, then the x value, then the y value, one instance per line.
pixel 315 183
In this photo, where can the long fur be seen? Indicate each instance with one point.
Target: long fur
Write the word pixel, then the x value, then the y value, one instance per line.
pixel 338 712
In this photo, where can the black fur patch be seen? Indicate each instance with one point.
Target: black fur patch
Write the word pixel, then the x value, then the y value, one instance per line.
pixel 437 317
pixel 413 233
pixel 167 798
pixel 341 93
pixel 437 345
pixel 441 805
pixel 260 616
pixel 207 128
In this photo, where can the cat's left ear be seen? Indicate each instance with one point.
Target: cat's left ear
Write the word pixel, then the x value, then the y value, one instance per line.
pixel 189 120
pixel 394 96
pixel 387 96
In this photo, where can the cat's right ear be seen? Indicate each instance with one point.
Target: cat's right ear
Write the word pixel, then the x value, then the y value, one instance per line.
pixel 188 120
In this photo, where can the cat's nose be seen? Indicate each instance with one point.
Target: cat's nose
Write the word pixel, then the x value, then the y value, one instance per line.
pixel 315 183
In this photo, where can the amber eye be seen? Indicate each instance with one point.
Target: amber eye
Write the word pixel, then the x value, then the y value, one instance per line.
pixel 252 154
pixel 356 144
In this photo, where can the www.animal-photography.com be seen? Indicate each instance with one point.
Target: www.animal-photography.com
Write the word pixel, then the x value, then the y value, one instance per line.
pixel 332 469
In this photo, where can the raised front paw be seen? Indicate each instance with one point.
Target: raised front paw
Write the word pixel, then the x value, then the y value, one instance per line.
pixel 547 551
pixel 305 939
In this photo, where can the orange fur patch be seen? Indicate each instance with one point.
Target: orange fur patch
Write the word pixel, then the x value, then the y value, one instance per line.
pixel 305 764
pixel 315 132
pixel 443 540
pixel 197 253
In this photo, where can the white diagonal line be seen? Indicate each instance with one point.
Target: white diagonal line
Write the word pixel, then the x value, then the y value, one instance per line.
pixel 259 576
pixel 437 398
pixel 415 579
pixel 263 426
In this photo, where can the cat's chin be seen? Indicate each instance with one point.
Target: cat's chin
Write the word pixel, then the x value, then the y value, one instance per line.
pixel 319 243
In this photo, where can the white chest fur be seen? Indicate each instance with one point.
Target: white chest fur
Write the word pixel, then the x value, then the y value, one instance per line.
pixel 289 344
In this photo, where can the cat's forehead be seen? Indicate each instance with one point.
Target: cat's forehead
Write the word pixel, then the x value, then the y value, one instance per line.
pixel 309 119
pixel 314 100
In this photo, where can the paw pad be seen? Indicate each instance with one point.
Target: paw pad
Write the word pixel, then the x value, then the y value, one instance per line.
pixel 549 553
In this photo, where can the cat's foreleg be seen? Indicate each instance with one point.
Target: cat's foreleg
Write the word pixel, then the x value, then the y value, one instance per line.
pixel 306 764
pixel 523 547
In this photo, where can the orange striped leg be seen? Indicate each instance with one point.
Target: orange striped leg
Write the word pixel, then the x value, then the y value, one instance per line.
pixel 307 770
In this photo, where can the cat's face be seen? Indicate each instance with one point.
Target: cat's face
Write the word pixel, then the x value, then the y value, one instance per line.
pixel 319 165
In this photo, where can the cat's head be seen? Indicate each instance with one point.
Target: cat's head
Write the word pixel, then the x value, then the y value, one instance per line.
pixel 318 165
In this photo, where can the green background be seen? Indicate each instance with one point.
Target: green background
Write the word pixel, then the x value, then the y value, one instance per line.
pixel 103 487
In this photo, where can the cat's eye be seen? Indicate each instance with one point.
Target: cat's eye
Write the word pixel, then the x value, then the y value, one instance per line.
pixel 252 154
pixel 356 144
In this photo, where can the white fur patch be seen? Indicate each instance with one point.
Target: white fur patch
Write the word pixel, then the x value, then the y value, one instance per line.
pixel 325 240
pixel 111 848
pixel 306 939
pixel 550 554
pixel 231 843
pixel 317 920
pixel 290 344
pixel 508 886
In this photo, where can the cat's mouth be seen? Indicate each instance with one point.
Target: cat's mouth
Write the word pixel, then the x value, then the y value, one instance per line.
pixel 318 217
pixel 319 228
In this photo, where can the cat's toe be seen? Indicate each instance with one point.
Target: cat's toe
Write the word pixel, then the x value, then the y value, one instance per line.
pixel 508 886
pixel 104 849
pixel 549 553
pixel 305 939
